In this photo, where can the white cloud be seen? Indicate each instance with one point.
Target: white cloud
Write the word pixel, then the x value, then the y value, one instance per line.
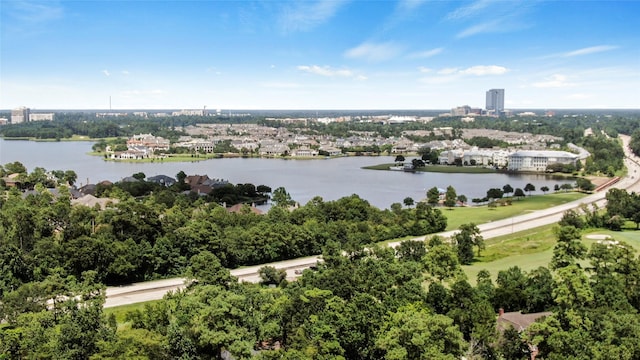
pixel 468 11
pixel 303 15
pixel 106 72
pixel 447 71
pixel 426 54
pixel 423 69
pixel 280 85
pixel 374 52
pixel 485 27
pixel 481 70
pixel 589 50
pixel 34 11
pixel 409 5
pixel 326 71
pixel 553 81
pixel 125 72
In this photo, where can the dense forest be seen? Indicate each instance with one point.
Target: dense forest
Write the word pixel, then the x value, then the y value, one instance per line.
pixel 365 303
pixel 362 302
pixel 145 235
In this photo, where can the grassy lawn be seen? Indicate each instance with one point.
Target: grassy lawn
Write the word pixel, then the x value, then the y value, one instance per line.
pixel 121 311
pixel 533 248
pixel 483 214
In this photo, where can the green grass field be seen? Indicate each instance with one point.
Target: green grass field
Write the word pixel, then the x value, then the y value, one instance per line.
pixel 121 311
pixel 483 214
pixel 533 248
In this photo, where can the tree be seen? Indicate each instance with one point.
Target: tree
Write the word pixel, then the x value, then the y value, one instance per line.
pixel 518 193
pixel 494 193
pixel 411 250
pixel 572 289
pixel 181 176
pixel 205 269
pixel 281 197
pixel 433 196
pixel 139 175
pixel 569 248
pixel 512 346
pixel 399 158
pixel 544 189
pixel 269 275
pixel 538 291
pixel 584 184
pixel 442 263
pixel 510 291
pixel 412 333
pixel 425 153
pixel 408 201
pixel 417 163
pixel 572 218
pixel 450 197
pixel 529 188
pixel 465 239
pixel 263 189
pixel 462 199
pixel 507 189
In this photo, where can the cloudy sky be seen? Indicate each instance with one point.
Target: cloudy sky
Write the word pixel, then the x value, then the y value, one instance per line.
pixel 408 54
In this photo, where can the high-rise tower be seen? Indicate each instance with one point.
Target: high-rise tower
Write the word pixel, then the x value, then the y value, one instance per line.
pixel 495 100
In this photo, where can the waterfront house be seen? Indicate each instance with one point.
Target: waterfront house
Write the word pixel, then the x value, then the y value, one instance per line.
pixel 162 180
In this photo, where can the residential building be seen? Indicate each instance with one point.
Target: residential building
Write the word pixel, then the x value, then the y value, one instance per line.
pixel 461 110
pixel 19 115
pixel 162 180
pixel 304 151
pixel 41 117
pixel 495 100
pixel 538 160
pixel 149 142
pixel 202 112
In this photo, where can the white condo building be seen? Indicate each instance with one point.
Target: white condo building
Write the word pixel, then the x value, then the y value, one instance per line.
pixel 533 160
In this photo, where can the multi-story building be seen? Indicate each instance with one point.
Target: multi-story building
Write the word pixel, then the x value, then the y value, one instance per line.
pixel 41 117
pixel 528 160
pixel 495 100
pixel 19 115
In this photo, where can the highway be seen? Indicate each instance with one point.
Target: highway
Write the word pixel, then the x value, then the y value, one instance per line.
pixel 154 290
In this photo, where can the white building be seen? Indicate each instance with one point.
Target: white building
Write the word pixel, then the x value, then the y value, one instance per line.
pixel 41 117
pixel 530 160
pixel 19 115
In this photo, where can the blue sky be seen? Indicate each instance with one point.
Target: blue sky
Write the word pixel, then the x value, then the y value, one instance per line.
pixel 409 54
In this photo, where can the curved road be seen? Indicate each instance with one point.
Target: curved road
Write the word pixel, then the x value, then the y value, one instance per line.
pixel 154 290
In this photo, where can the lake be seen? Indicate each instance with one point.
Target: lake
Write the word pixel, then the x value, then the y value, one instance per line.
pixel 329 178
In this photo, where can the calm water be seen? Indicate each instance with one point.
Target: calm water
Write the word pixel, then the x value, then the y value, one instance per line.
pixel 303 179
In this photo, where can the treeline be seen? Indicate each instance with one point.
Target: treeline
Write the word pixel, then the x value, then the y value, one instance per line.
pixel 570 128
pixel 634 144
pixel 86 124
pixel 135 240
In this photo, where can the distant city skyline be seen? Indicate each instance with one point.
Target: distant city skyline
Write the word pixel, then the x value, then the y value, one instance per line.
pixel 327 54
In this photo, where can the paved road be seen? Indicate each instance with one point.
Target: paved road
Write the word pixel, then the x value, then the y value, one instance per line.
pixel 154 290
